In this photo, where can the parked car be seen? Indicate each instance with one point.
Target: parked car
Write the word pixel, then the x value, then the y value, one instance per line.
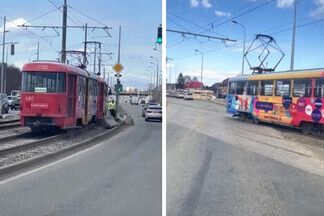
pixel 10 99
pixel 15 103
pixel 5 103
pixel 15 92
pixel 146 105
pixel 180 95
pixel 153 112
pixel 188 96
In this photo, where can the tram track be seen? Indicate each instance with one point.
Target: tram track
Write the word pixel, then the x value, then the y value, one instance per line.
pixel 12 148
pixel 9 124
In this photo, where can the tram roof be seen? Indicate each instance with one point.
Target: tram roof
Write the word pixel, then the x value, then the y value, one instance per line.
pixel 297 74
pixel 53 66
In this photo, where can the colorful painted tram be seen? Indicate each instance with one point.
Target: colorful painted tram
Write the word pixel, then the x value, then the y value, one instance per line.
pixel 292 97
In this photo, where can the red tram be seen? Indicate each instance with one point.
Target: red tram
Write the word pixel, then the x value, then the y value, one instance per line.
pixel 59 95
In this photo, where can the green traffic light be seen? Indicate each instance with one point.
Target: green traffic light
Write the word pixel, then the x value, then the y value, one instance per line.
pixel 159 40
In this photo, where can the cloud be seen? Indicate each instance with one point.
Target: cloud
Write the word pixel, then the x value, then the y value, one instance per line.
pixel 285 3
pixel 320 9
pixel 12 26
pixel 20 63
pixel 206 4
pixel 222 14
pixel 194 3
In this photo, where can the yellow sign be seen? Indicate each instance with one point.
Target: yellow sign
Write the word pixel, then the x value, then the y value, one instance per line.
pixel 118 67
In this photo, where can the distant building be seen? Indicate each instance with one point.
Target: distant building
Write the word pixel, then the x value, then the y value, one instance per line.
pixel 131 90
pixel 171 86
pixel 193 85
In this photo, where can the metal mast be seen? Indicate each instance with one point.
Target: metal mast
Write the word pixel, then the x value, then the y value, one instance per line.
pixel 63 55
pixel 293 40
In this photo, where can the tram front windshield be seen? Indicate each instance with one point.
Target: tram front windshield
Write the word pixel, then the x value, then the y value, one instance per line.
pixel 43 82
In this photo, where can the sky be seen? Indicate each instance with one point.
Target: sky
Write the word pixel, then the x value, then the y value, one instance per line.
pixel 139 21
pixel 222 58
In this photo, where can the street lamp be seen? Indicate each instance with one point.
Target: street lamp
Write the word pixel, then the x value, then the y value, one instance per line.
pixel 157 70
pixel 233 21
pixel 151 83
pixel 148 80
pixel 153 77
pixel 202 69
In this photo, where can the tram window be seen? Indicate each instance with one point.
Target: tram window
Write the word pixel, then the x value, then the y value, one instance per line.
pixel 319 88
pixel 302 88
pixel 231 89
pixel 240 87
pixel 43 82
pixel 266 88
pixel 283 88
pixel 252 88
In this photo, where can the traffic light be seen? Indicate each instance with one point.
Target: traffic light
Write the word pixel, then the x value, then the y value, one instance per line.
pixel 159 35
pixel 118 86
pixel 12 49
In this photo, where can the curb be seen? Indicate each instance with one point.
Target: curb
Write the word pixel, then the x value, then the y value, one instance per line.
pixel 13 169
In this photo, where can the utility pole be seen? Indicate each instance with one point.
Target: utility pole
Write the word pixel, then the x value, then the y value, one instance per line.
pixel 117 93
pixel 63 55
pixel 2 65
pixel 168 60
pixel 37 51
pixel 202 69
pixel 293 39
pixel 85 46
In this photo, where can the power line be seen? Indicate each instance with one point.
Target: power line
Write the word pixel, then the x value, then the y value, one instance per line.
pixel 229 20
pixel 87 16
pixel 41 16
pixel 49 43
pixel 246 12
pixel 306 24
pixel 199 26
pixel 177 24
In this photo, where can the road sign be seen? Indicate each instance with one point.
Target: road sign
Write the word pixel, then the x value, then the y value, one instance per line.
pixel 117 75
pixel 118 67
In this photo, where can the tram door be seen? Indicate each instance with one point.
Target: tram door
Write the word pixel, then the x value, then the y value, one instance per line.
pixel 71 96
pixel 86 110
pixel 101 97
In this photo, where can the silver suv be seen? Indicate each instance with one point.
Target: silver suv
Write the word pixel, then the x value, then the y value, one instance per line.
pixel 5 103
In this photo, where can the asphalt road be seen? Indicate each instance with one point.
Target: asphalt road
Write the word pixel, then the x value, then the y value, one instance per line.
pixel 121 176
pixel 217 165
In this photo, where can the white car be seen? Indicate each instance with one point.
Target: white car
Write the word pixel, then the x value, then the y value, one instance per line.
pixel 180 95
pixel 188 96
pixel 153 112
pixel 10 99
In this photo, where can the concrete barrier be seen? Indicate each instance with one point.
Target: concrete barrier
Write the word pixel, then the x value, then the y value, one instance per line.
pixel 128 120
pixel 109 122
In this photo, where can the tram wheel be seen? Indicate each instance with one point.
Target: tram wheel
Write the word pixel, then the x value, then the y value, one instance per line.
pixel 307 127
pixel 242 117
pixel 256 121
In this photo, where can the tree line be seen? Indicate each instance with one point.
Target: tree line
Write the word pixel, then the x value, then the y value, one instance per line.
pixel 12 79
pixel 182 80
